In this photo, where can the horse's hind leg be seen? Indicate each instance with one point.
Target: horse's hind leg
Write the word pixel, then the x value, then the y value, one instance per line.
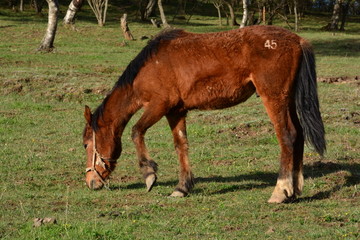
pixel 152 114
pixel 178 127
pixel 289 134
pixel 298 178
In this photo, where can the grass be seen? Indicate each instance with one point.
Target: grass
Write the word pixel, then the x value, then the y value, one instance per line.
pixel 234 153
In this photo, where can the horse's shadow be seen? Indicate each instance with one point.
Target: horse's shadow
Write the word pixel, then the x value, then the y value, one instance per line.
pixel 260 180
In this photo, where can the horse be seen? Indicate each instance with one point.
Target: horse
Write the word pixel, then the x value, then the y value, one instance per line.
pixel 178 71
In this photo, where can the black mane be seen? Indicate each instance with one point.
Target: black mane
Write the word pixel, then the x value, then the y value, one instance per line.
pixel 131 71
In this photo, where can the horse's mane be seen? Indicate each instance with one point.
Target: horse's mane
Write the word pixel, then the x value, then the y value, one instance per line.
pixel 131 71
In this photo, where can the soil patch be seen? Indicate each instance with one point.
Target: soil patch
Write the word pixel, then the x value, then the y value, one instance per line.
pixel 344 79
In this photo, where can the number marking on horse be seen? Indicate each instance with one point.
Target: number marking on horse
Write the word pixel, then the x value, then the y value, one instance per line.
pixel 270 44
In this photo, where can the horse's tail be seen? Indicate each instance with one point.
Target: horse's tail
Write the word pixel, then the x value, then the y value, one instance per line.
pixel 307 102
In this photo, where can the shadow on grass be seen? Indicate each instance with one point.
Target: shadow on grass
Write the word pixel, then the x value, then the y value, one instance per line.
pixel 347 47
pixel 260 180
pixel 320 169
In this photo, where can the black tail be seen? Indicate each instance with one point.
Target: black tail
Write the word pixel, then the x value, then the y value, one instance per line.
pixel 307 102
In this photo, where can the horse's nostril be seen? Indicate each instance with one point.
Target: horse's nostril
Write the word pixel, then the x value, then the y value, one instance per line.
pixel 95 185
pixel 92 184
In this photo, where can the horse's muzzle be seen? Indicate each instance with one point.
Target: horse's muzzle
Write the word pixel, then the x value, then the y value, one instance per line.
pixel 93 183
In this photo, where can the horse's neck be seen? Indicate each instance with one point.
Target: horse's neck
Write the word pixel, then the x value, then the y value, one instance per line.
pixel 120 107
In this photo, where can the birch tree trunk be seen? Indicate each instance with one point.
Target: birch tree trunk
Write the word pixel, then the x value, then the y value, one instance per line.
pixel 333 25
pixel 296 16
pixel 21 8
pixel 47 43
pixel 162 14
pixel 74 7
pixel 336 15
pixel 245 14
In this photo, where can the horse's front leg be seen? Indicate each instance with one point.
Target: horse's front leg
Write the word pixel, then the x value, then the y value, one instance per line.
pixel 148 167
pixel 178 127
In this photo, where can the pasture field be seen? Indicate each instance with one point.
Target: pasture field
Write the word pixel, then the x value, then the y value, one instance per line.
pixel 234 152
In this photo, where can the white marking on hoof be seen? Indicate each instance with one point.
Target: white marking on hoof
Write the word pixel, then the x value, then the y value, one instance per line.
pixel 283 191
pixel 150 181
pixel 300 184
pixel 277 198
pixel 177 194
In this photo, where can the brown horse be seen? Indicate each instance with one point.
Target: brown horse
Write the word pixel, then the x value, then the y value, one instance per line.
pixel 179 71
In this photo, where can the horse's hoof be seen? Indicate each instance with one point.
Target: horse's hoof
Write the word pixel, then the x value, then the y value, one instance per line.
pixel 177 193
pixel 150 181
pixel 275 198
pixel 283 191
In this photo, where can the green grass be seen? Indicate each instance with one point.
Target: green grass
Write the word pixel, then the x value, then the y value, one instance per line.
pixel 234 153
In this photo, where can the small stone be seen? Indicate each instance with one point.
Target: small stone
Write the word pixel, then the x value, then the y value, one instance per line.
pixel 40 221
pixel 49 220
pixel 270 230
pixel 37 222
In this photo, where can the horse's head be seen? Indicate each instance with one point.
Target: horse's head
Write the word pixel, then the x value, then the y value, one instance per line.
pixel 103 148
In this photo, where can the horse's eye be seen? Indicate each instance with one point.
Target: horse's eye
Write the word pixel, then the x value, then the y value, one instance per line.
pixel 85 146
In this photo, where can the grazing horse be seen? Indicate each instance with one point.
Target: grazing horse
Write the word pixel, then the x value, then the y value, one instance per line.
pixel 179 71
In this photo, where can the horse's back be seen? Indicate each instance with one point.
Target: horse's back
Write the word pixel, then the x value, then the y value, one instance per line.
pixel 217 70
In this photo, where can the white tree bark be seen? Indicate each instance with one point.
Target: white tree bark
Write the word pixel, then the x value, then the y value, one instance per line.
pixel 47 43
pixel 73 8
pixel 296 16
pixel 162 14
pixel 336 15
pixel 245 13
pixel 21 8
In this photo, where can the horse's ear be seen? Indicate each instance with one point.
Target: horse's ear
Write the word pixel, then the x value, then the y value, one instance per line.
pixel 87 114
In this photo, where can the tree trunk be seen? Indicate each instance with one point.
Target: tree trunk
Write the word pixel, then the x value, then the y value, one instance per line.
pixel 99 7
pixel 47 43
pixel 38 5
pixel 105 11
pixel 21 8
pixel 162 14
pixel 125 28
pixel 336 15
pixel 217 5
pixel 149 9
pixel 232 14
pixel 263 15
pixel 73 9
pixel 296 16
pixel 182 7
pixel 260 12
pixel 345 10
pixel 245 13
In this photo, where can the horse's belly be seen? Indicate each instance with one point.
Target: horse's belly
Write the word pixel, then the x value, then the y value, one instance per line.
pixel 218 97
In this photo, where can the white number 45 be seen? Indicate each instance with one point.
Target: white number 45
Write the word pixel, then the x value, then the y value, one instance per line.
pixel 270 44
